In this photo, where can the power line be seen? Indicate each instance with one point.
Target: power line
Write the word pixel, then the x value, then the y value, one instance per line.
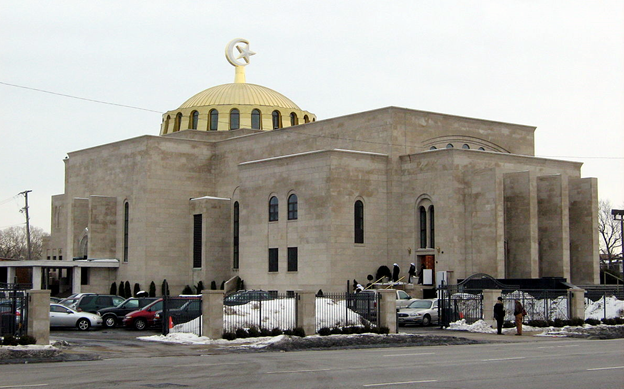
pixel 79 98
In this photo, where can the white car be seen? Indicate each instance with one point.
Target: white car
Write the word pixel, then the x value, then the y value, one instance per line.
pixel 62 316
pixel 420 311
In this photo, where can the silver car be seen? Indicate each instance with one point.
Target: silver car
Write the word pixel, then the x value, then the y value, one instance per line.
pixel 419 312
pixel 62 316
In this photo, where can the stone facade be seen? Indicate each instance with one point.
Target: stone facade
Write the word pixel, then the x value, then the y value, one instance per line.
pixel 487 204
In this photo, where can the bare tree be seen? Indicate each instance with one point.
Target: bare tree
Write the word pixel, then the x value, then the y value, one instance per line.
pixel 610 234
pixel 13 244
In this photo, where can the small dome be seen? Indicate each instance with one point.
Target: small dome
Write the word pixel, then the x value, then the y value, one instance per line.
pixel 240 94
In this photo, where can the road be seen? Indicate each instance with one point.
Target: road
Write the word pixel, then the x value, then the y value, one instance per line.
pixel 560 363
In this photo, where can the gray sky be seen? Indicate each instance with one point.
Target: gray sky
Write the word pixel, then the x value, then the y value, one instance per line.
pixel 556 65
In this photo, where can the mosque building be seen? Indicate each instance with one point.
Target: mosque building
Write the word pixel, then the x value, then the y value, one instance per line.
pixel 243 182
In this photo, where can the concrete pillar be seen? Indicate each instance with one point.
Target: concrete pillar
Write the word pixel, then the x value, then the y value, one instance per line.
pixel 387 309
pixel 76 275
pixel 306 311
pixel 577 303
pixel 489 299
pixel 36 278
pixel 212 314
pixel 39 315
pixel 10 275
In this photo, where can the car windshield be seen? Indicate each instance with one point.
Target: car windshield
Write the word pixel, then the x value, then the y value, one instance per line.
pixel 420 304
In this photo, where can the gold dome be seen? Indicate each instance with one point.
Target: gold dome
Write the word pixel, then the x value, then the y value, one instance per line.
pixel 240 94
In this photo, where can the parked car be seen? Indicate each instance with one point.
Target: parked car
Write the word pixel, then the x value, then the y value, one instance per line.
pixel 94 302
pixel 62 316
pixel 187 312
pixel 145 317
pixel 365 302
pixel 73 298
pixel 56 300
pixel 245 296
pixel 113 316
pixel 422 311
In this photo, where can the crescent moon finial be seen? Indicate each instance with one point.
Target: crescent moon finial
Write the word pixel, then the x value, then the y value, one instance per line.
pixel 244 52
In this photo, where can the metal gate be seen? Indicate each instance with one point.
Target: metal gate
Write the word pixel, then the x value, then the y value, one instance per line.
pixel 13 309
pixel 456 303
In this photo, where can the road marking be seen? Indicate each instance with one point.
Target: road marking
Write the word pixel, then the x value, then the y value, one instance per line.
pixel 407 355
pixel 571 345
pixel 606 368
pixel 401 383
pixel 502 359
pixel 296 371
pixel 23 386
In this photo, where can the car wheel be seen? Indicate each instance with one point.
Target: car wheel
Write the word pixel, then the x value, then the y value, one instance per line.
pixel 83 324
pixel 140 324
pixel 426 320
pixel 110 321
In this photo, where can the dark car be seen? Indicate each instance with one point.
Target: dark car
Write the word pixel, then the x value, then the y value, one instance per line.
pixel 189 311
pixel 95 302
pixel 246 296
pixel 114 316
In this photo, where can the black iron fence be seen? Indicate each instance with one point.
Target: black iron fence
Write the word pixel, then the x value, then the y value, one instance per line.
pixel 454 306
pixel 347 309
pixel 180 314
pixel 13 309
pixel 280 311
pixel 540 304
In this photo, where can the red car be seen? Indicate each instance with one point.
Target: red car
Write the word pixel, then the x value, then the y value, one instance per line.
pixel 145 317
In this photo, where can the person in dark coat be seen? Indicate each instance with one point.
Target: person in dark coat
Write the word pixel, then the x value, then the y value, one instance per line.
pixel 499 315
pixel 411 273
pixel 420 273
pixel 395 272
pixel 519 313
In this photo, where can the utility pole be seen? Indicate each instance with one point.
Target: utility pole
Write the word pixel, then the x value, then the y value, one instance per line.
pixel 25 193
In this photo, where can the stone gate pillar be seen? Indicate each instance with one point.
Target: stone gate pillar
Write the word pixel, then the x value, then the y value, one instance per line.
pixel 576 297
pixel 212 314
pixel 39 316
pixel 306 311
pixel 489 299
pixel 387 309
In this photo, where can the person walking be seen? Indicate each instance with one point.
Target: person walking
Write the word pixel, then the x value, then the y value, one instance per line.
pixel 519 313
pixel 499 315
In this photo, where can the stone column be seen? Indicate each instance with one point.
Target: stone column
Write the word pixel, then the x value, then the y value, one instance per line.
pixel 36 278
pixel 212 314
pixel 387 309
pixel 76 275
pixel 39 315
pixel 576 297
pixel 489 299
pixel 306 311
pixel 10 274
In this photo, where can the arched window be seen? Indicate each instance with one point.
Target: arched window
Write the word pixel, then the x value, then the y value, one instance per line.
pixel 276 117
pixel 423 227
pixel 214 120
pixel 292 207
pixel 273 209
pixel 235 235
pixel 466 146
pixel 125 230
pixel 167 124
pixel 234 119
pixel 449 146
pixel 294 120
pixel 358 223
pixel 482 148
pixel 256 123
pixel 433 148
pixel 178 122
pixel 306 119
pixel 194 120
pixel 431 227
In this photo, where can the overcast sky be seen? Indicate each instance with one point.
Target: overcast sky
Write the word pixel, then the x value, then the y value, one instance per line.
pixel 556 65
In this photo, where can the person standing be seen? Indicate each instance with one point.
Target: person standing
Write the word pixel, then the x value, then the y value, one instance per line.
pixel 519 313
pixel 411 272
pixel 499 315
pixel 395 272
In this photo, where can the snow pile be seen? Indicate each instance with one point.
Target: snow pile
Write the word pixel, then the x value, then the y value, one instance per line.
pixel 596 310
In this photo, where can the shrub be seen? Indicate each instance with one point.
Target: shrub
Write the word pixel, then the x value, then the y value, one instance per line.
pixel 561 322
pixel 288 332
pixel 592 322
pixel 229 335
pixel 536 323
pixel 187 290
pixel 373 330
pixel 610 322
pixel 137 288
pixel 384 330
pixel 152 289
pixel 324 331
pixel 619 320
pixel 127 289
pixel 9 340
pixel 509 324
pixel 254 332
pixel 347 330
pixel 276 332
pixel 27 339
pixel 336 331
pixel 113 289
pixel 577 321
pixel 265 332
pixel 241 333
pixel 200 287
pixel 298 331
pixel 213 285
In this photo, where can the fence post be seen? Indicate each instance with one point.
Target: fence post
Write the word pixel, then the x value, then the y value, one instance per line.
pixel 39 316
pixel 489 299
pixel 387 309
pixel 576 297
pixel 306 311
pixel 212 313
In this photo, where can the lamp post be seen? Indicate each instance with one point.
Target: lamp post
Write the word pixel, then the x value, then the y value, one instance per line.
pixel 620 213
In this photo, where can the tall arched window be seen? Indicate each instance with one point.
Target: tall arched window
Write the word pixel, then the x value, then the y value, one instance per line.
pixel 306 119
pixel 294 120
pixel 358 222
pixel 178 122
pixel 276 117
pixel 431 227
pixel 214 120
pixel 236 234
pixel 125 230
pixel 234 119
pixel 423 227
pixel 273 209
pixel 167 124
pixel 292 207
pixel 194 120
pixel 256 123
